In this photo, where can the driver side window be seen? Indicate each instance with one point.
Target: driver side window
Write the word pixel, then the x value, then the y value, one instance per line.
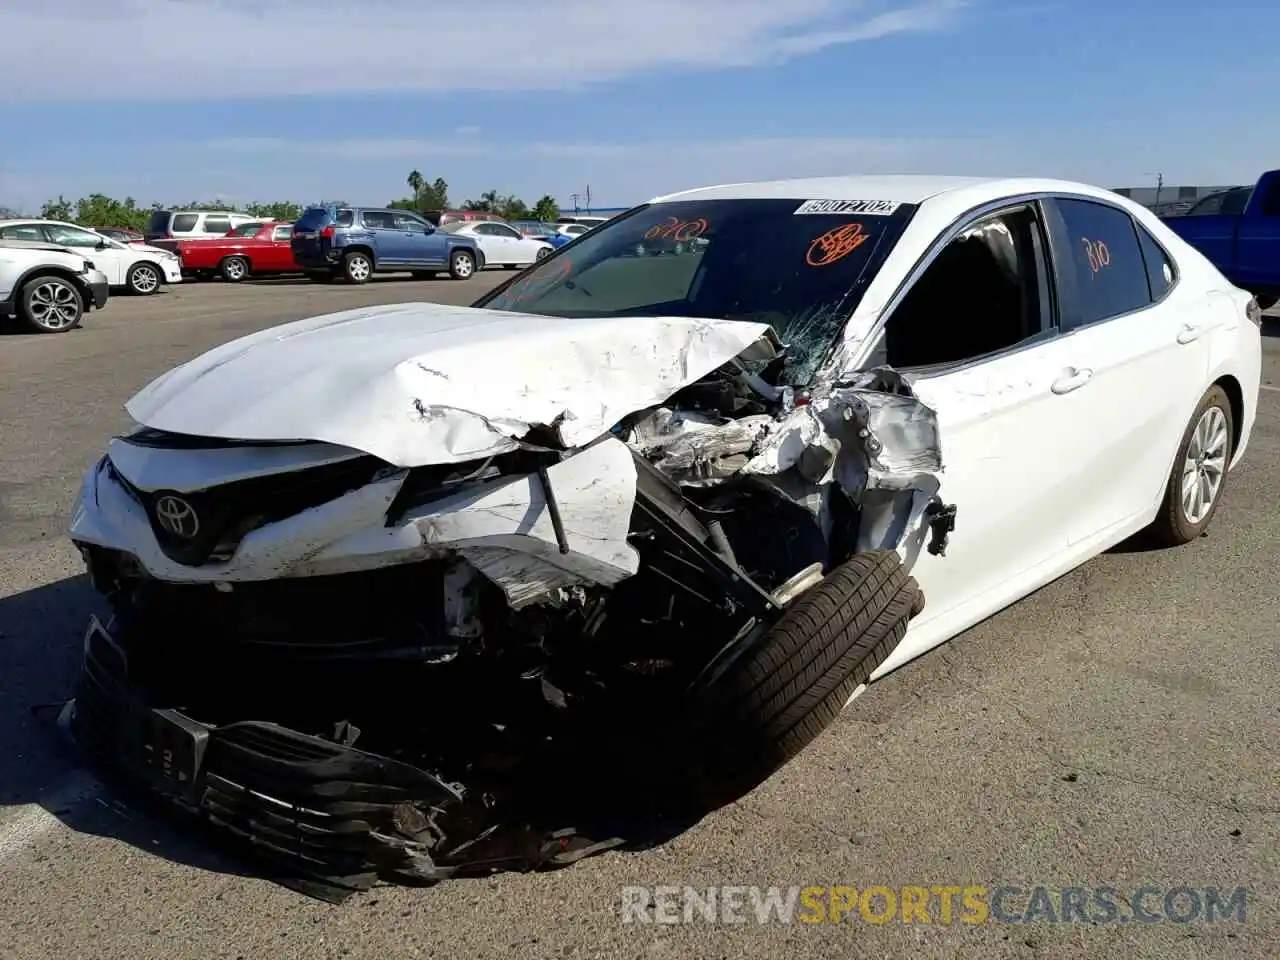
pixel 71 237
pixel 986 291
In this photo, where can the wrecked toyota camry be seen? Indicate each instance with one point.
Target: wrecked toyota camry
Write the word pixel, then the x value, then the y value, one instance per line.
pixel 375 573
pixel 404 591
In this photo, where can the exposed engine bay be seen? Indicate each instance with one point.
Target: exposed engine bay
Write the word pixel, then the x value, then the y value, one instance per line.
pixel 435 715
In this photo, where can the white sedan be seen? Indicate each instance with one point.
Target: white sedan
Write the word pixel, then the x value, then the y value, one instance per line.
pixel 140 269
pixel 677 506
pixel 501 244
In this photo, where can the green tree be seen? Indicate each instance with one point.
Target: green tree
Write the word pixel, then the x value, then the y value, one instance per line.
pixel 285 210
pixel 60 209
pixel 512 208
pixel 546 209
pixel 416 182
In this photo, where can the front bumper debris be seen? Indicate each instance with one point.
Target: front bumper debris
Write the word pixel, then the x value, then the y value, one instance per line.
pixel 325 819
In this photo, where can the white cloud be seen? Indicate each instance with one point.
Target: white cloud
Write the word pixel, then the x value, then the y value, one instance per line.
pixel 230 49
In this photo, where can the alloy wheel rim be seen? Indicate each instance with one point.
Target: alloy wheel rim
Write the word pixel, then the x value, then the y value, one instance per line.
pixel 53 306
pixel 235 269
pixel 463 265
pixel 359 268
pixel 145 279
pixel 1204 466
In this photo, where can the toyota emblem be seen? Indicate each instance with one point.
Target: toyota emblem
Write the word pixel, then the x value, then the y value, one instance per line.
pixel 177 517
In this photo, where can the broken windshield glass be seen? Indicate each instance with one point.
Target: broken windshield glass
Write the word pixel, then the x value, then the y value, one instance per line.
pixel 798 264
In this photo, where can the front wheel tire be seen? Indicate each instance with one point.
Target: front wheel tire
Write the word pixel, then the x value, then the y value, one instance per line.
pixel 1199 473
pixel 143 280
pixel 51 305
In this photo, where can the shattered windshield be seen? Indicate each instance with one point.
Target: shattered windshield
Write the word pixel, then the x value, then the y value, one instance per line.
pixel 799 265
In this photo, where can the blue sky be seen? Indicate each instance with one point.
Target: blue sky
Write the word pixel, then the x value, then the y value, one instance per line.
pixel 177 100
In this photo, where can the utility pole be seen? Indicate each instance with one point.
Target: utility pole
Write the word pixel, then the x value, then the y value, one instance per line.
pixel 574 198
pixel 1159 187
pixel 588 198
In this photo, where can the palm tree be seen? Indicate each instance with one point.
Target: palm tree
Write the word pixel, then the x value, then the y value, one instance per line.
pixel 491 200
pixel 416 182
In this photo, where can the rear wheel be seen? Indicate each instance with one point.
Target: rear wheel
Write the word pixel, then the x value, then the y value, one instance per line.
pixel 357 267
pixel 1194 488
pixel 782 693
pixel 234 269
pixel 51 305
pixel 543 253
pixel 143 279
pixel 462 265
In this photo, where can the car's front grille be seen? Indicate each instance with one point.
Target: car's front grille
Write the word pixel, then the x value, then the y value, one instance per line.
pixel 207 526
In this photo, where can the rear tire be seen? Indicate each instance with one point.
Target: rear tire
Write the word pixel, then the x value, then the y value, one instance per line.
pixel 462 265
pixel 1203 454
pixel 357 267
pixel 144 279
pixel 234 269
pixel 776 698
pixel 51 304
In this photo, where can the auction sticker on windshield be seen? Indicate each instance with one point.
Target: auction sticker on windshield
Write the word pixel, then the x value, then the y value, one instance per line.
pixel 881 208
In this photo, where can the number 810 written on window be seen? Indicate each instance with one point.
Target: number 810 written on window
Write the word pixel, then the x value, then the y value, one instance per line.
pixel 1098 254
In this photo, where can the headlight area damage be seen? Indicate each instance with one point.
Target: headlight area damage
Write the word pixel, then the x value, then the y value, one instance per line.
pixel 366 670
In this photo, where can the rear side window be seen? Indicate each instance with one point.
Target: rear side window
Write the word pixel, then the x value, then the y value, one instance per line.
pixel 1159 266
pixel 1271 202
pixel 282 233
pixel 246 229
pixel 378 220
pixel 313 219
pixel 159 222
pixel 345 218
pixel 218 225
pixel 184 222
pixel 1102 252
pixel 23 232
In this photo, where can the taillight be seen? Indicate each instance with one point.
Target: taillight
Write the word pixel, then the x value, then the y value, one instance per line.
pixel 328 232
pixel 1254 312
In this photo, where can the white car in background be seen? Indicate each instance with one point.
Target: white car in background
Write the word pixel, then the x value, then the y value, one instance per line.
pixel 141 270
pixel 502 244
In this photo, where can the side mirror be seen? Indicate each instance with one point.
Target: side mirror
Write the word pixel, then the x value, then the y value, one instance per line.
pixel 101 244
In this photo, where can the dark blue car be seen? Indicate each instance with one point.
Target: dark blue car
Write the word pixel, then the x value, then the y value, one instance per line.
pixel 354 243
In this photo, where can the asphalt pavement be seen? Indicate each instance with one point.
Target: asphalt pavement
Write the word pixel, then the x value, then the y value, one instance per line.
pixel 1118 728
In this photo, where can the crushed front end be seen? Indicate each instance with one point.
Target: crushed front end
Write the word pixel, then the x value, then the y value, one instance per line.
pixel 365 670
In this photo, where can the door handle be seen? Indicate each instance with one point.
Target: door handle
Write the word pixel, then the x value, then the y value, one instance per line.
pixel 1073 381
pixel 1189 334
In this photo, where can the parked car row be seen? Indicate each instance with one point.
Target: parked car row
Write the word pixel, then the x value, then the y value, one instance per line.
pixel 52 272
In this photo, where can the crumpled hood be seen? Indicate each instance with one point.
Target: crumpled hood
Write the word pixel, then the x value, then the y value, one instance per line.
pixel 421 383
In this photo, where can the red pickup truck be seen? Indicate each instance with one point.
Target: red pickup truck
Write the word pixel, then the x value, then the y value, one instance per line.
pixel 260 248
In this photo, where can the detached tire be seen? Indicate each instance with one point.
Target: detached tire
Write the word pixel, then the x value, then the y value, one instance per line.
pixel 780 695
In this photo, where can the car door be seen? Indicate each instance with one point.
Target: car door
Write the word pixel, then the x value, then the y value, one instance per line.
pixel 1258 252
pixel 489 239
pixel 974 331
pixel 113 259
pixel 425 249
pixel 516 248
pixel 1140 355
pixel 390 243
pixel 278 253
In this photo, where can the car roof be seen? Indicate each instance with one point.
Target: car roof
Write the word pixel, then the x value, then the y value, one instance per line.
pixel 894 188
